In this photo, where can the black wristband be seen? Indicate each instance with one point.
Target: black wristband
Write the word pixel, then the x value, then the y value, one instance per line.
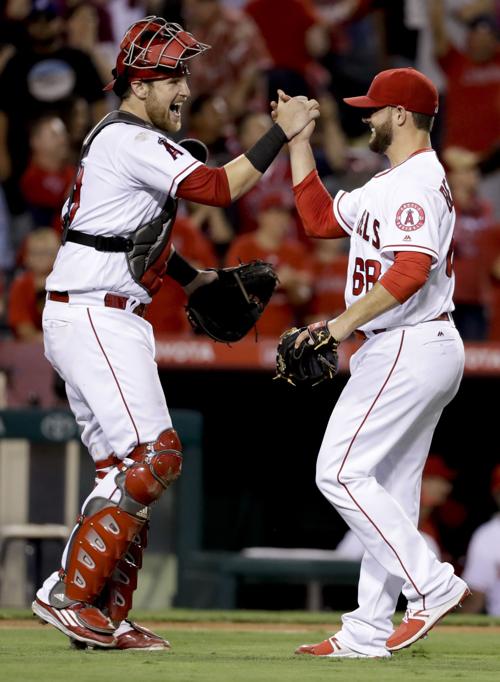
pixel 265 150
pixel 180 270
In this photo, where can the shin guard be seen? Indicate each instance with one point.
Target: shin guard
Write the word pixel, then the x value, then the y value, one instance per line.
pixel 98 543
pixel 120 587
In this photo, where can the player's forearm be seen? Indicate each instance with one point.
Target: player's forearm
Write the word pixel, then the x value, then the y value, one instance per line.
pixel 241 176
pixel 376 302
pixel 302 160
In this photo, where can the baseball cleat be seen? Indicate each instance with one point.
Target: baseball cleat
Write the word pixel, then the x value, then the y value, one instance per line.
pixel 417 622
pixel 137 638
pixel 140 638
pixel 81 622
pixel 332 648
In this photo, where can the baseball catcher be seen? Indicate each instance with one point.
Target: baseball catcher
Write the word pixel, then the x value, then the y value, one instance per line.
pixel 307 356
pixel 227 308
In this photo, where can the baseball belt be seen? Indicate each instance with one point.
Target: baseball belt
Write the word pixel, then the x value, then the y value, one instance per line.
pixel 110 301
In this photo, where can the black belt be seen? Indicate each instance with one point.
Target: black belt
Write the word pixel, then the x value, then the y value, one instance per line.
pixel 100 243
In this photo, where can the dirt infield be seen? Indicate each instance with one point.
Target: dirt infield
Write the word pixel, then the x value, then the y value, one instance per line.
pixel 23 624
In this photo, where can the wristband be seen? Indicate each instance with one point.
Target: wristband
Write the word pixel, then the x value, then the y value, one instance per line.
pixel 265 150
pixel 180 270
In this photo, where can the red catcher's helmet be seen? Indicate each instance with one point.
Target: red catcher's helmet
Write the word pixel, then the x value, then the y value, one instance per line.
pixel 153 49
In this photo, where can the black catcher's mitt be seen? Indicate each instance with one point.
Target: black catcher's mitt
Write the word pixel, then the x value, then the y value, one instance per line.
pixel 314 361
pixel 227 308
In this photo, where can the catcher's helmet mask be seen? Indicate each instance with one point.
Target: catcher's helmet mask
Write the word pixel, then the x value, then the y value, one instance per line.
pixel 153 49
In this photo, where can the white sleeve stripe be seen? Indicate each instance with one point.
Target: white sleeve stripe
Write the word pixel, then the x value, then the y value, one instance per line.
pixel 182 174
pixel 409 247
pixel 336 209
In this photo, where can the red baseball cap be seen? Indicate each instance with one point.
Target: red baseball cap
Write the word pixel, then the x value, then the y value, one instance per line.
pixel 407 88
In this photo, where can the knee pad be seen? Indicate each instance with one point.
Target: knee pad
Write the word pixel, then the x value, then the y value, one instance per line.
pixel 156 466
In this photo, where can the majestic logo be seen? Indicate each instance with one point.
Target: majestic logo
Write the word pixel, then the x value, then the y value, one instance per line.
pixel 407 238
pixel 410 217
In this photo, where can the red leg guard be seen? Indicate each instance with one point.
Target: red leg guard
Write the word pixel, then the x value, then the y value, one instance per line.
pixel 97 545
pixel 157 465
pixel 122 584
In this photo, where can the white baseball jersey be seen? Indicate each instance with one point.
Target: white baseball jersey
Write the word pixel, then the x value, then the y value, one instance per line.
pixel 406 208
pixel 482 566
pixel 127 176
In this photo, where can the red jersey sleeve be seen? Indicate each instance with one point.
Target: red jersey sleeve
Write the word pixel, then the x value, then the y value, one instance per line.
pixel 206 185
pixel 407 275
pixel 315 208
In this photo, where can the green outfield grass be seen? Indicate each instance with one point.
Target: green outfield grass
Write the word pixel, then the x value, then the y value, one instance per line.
pixel 204 653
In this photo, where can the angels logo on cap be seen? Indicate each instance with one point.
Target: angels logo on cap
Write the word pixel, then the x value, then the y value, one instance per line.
pixel 410 217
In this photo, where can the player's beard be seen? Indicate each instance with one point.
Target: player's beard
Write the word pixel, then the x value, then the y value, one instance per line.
pixel 382 138
pixel 159 114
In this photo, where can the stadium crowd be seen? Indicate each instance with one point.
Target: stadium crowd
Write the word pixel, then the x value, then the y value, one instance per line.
pixel 56 56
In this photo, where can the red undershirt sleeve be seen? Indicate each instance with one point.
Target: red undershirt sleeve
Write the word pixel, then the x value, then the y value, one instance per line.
pixel 205 185
pixel 315 207
pixel 408 273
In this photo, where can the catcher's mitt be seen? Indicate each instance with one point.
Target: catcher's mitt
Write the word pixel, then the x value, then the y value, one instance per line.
pixel 227 308
pixel 314 361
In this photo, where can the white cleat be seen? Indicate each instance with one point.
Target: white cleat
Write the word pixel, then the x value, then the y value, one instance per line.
pixel 332 648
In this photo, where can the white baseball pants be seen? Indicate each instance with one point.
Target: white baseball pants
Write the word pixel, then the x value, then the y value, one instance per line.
pixel 370 469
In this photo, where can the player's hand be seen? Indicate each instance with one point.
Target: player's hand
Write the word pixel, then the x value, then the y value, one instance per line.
pixel 305 134
pixel 293 114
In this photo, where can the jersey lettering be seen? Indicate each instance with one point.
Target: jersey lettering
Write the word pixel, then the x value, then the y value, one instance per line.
pixel 363 230
pixel 446 192
pixel 174 153
pixel 366 274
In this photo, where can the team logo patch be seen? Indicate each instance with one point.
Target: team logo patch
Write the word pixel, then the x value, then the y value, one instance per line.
pixel 410 217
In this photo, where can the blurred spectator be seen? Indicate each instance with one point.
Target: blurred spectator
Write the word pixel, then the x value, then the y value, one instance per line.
pixel 437 484
pixel 208 122
pixel 6 251
pixel 330 272
pixel 212 222
pixel 27 293
pixel 474 221
pixel 234 65
pixel 492 275
pixel 328 141
pixel 472 111
pixel 46 182
pixel 271 242
pixel 436 487
pixel 295 37
pixel 482 565
pixel 355 54
pixel 166 311
pixel 37 81
pixel 278 177
pixel 82 33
